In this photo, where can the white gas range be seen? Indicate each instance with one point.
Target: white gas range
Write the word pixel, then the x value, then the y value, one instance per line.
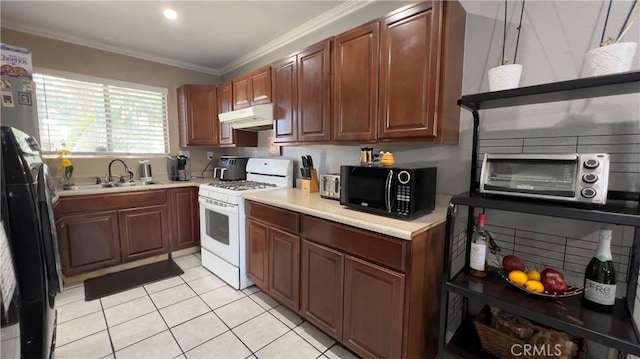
pixel 222 217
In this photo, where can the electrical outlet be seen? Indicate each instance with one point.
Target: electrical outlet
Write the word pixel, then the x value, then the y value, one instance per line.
pixel 209 155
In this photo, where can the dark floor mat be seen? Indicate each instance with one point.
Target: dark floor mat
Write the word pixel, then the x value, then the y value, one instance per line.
pixel 108 284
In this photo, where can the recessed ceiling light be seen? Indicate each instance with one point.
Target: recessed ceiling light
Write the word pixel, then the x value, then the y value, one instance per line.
pixel 170 14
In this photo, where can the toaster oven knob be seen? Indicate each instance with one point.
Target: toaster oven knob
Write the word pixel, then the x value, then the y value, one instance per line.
pixel 404 177
pixel 590 178
pixel 588 192
pixel 591 163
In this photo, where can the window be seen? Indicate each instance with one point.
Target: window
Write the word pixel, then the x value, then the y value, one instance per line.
pixel 94 116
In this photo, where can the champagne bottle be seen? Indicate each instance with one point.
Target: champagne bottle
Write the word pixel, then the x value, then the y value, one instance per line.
pixel 600 277
pixel 478 256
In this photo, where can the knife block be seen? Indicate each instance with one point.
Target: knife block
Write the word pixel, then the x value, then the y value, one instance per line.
pixel 311 185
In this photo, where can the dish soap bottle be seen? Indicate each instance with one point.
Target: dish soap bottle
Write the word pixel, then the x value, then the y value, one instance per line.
pixel 478 256
pixel 600 277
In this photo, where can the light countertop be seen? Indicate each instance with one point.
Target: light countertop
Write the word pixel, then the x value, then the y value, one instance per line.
pixel 159 185
pixel 312 204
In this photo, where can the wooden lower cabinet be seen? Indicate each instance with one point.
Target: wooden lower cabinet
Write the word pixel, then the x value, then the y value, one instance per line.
pixel 257 254
pixel 373 309
pixel 377 295
pixel 321 281
pixel 185 218
pixel 144 232
pixel 273 262
pixel 103 230
pixel 88 241
pixel 284 267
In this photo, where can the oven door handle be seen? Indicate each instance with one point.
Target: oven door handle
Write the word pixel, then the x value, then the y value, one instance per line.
pixel 210 205
pixel 387 191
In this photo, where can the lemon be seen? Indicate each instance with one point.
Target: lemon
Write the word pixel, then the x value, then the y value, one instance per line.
pixel 534 286
pixel 518 277
pixel 533 275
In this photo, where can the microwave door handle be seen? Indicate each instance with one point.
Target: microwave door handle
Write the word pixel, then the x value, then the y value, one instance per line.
pixel 387 191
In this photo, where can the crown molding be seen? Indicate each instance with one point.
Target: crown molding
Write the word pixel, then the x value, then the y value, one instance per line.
pixel 307 28
pixel 60 36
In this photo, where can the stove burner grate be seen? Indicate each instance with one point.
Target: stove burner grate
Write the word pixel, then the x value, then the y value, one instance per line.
pixel 242 185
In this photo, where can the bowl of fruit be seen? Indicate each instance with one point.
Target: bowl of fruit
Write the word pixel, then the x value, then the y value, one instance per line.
pixel 548 283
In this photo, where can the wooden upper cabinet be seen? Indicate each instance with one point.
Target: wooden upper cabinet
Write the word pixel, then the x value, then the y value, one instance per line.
pixel 252 88
pixel 422 49
pixel 314 91
pixel 229 136
pixel 198 115
pixel 241 92
pixel 225 104
pixel 355 84
pixel 285 100
pixel 260 85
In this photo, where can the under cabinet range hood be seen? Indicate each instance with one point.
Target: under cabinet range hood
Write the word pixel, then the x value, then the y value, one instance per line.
pixel 258 117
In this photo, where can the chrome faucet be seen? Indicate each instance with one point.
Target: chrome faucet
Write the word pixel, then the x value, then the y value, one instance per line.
pixel 110 177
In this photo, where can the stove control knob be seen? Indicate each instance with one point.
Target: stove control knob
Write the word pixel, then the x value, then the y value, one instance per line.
pixel 404 177
pixel 588 192
pixel 589 178
pixel 591 164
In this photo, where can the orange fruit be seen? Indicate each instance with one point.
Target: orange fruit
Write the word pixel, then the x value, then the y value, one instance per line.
pixel 534 286
pixel 533 274
pixel 518 277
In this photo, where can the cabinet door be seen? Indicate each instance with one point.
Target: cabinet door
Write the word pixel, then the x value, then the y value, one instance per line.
pixel 284 268
pixel 260 85
pixel 314 82
pixel 285 100
pixel 198 115
pixel 88 242
pixel 408 73
pixel 225 100
pixel 355 79
pixel 185 220
pixel 373 309
pixel 257 254
pixel 144 232
pixel 321 279
pixel 241 92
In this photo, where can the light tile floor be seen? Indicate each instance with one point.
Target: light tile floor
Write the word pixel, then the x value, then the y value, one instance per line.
pixel 196 315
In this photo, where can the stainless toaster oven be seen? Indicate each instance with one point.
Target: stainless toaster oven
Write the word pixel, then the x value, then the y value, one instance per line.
pixel 575 177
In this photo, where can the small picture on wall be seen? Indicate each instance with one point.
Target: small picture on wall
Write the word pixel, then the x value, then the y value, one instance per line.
pixel 7 99
pixel 274 150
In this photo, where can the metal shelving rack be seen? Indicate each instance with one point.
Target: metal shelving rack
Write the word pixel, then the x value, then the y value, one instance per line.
pixel 616 330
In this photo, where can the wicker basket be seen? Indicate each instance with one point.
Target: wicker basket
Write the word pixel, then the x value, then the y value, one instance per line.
pixel 499 344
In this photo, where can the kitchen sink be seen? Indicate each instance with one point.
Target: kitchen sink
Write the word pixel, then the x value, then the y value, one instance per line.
pixel 110 185
pixel 134 184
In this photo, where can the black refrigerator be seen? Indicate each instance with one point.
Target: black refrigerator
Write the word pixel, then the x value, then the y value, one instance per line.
pixel 27 215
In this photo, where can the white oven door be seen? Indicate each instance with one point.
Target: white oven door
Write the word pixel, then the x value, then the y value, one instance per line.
pixel 219 229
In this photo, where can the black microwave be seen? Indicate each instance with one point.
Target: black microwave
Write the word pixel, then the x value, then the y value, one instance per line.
pixel 389 191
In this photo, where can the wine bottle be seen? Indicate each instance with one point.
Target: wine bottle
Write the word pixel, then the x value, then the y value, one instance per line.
pixel 600 277
pixel 478 256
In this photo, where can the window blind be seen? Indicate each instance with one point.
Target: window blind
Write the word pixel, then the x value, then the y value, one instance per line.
pixel 100 116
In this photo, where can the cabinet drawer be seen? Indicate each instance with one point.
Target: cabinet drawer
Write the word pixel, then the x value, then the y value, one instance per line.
pixel 276 217
pixel 105 202
pixel 374 247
